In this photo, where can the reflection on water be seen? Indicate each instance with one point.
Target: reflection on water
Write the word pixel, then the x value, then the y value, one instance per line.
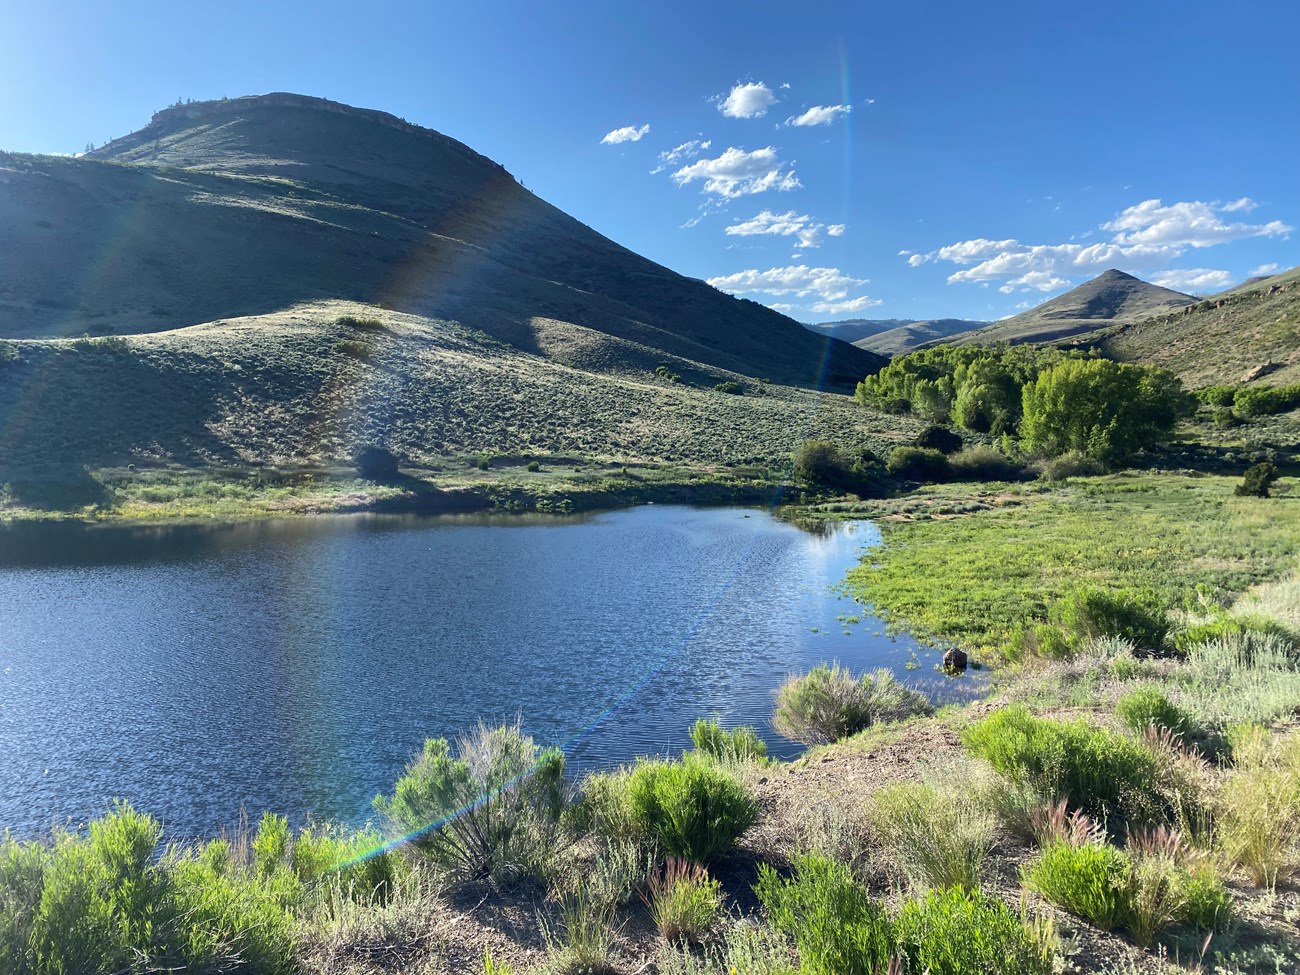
pixel 296 665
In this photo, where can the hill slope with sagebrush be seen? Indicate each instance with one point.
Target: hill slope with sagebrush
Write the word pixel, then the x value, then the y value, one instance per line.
pixel 1111 298
pixel 1248 334
pixel 212 253
pixel 912 335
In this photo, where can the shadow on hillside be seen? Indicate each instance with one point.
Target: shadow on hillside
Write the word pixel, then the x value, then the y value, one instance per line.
pixel 58 490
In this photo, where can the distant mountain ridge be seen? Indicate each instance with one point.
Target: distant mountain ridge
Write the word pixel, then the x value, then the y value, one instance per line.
pixel 1110 298
pixel 894 336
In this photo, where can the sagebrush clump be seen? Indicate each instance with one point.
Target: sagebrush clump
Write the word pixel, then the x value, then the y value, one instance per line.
pixel 828 703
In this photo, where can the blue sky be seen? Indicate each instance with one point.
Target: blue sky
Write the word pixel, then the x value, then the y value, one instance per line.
pixel 954 159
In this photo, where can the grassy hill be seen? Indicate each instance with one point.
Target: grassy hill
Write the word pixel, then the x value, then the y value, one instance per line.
pixel 210 255
pixel 245 206
pixel 1248 334
pixel 1110 298
pixel 912 335
pixel 317 381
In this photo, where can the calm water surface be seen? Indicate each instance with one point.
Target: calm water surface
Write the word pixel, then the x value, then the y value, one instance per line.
pixel 297 665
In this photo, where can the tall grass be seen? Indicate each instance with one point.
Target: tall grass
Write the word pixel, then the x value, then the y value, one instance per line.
pixel 1259 814
pixel 939 837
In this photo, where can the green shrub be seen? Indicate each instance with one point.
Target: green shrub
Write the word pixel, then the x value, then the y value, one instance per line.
pixel 1158 882
pixel 534 467
pixel 482 462
pixel 684 901
pixel 582 941
pixel 983 464
pixel 935 437
pixel 1227 627
pixel 821 464
pixel 1107 776
pixel 375 463
pixel 960 931
pixel 1217 396
pixel 734 747
pixel 1072 463
pixel 730 386
pixel 1258 482
pixel 837 927
pixel 490 811
pixel 828 703
pixel 939 838
pixel 692 808
pixel 1264 400
pixel 664 372
pixel 1090 881
pixel 1091 614
pixel 918 464
pixel 353 349
pixel 363 324
pixel 1148 707
pixel 112 900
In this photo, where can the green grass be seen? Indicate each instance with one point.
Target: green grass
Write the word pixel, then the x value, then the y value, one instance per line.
pixel 975 580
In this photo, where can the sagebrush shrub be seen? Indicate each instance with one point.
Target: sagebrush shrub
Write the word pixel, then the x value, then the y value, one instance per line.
pixel 828 703
pixel 1108 776
pixel 691 808
pixel 492 810
pixel 960 931
pixel 983 464
pixel 837 927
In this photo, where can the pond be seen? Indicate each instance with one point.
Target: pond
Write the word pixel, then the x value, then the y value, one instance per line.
pixel 296 665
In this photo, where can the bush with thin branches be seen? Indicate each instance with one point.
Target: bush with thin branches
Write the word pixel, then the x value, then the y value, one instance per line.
pixel 828 703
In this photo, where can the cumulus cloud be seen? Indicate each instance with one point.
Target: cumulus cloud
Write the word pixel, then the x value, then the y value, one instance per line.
pixel 680 154
pixel 782 307
pixel 628 133
pixel 1195 279
pixel 826 283
pixel 1264 270
pixel 845 307
pixel 1192 224
pixel 751 100
pixel 788 224
pixel 819 115
pixel 1146 236
pixel 739 173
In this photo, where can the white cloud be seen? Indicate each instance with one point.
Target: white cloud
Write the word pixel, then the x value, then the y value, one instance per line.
pixel 819 115
pixel 1192 224
pixel 825 283
pixel 1264 270
pixel 1194 279
pixel 1146 237
pixel 739 173
pixel 782 307
pixel 687 150
pixel 750 100
pixel 628 133
pixel 843 307
pixel 836 230
pixel 788 224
